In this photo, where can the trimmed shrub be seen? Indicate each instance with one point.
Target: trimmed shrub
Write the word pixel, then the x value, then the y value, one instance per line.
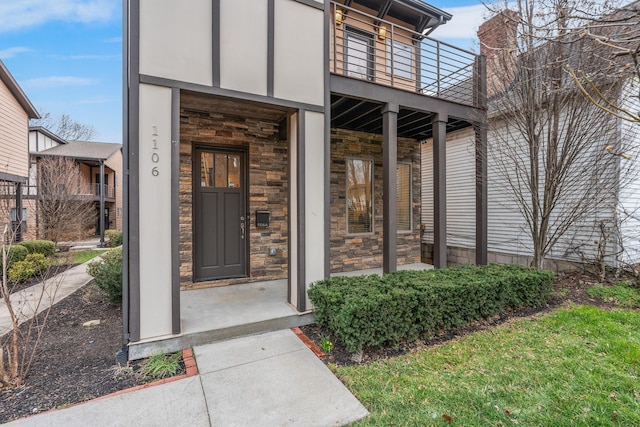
pixel 44 247
pixel 372 311
pixel 15 253
pixel 32 265
pixel 114 238
pixel 107 272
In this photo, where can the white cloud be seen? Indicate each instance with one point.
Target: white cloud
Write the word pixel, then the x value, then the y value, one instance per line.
pixel 113 40
pixel 464 23
pixel 31 13
pixel 10 52
pixel 57 81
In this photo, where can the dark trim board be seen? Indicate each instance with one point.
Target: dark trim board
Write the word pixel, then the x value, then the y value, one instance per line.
pixel 122 355
pixel 270 46
pixel 215 42
pixel 327 142
pixel 192 87
pixel 175 211
pixel 368 91
pixel 132 215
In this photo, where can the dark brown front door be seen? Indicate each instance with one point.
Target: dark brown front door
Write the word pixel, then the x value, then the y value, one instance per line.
pixel 220 248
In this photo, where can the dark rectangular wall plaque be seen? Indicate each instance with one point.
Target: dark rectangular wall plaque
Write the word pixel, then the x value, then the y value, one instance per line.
pixel 262 219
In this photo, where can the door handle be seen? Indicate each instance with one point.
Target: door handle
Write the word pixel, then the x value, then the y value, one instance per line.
pixel 242 227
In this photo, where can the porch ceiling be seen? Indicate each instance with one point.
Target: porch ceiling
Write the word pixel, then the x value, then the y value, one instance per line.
pixel 366 116
pixel 231 107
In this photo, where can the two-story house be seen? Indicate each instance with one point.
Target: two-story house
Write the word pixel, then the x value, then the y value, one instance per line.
pixel 15 112
pixel 279 139
pixel 100 170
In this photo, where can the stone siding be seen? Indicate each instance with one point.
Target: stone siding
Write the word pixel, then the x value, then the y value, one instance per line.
pixel 359 252
pixel 268 190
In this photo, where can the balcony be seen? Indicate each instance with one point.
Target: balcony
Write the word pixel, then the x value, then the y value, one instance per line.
pixel 366 47
pixel 90 191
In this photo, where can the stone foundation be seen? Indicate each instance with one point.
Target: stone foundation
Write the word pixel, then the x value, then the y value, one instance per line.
pixel 359 252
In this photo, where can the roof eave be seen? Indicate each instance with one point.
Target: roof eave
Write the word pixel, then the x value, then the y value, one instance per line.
pixel 17 92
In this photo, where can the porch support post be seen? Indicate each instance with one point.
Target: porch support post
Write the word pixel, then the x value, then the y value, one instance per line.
pixel 481 193
pixel 439 190
pixel 301 300
pixel 101 186
pixel 19 219
pixel 389 186
pixel 480 90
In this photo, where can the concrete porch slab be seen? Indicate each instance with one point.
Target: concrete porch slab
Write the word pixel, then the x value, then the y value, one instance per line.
pixel 222 313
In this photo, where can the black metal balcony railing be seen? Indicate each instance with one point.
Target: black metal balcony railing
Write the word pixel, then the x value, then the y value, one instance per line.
pixel 109 191
pixel 366 47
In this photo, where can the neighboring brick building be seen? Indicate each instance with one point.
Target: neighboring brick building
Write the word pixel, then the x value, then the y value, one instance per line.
pixel 100 166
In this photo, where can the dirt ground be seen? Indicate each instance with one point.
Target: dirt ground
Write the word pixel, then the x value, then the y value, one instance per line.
pixel 73 363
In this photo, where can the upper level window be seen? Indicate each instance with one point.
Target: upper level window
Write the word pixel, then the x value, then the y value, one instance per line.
pixel 399 59
pixel 358 54
pixel 359 196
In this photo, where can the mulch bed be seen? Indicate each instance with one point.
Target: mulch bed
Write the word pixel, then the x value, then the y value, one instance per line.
pixel 569 289
pixel 74 363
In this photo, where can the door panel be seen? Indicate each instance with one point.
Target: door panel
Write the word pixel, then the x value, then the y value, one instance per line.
pixel 209 233
pixel 220 244
pixel 233 246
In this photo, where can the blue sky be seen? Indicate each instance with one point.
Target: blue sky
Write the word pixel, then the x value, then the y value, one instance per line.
pixel 66 54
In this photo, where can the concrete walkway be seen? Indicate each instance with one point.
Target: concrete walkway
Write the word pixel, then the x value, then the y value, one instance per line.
pixel 266 380
pixel 37 298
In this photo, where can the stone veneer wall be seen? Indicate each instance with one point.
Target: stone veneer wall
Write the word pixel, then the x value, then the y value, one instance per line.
pixel 359 252
pixel 268 190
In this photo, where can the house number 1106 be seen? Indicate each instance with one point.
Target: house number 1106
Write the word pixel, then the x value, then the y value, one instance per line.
pixel 155 157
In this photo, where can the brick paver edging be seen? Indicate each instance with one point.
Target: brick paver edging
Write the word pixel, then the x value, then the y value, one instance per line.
pixel 307 341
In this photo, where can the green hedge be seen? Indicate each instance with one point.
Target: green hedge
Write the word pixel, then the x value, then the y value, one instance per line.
pixel 15 253
pixel 372 311
pixel 44 247
pixel 114 238
pixel 33 265
pixel 107 272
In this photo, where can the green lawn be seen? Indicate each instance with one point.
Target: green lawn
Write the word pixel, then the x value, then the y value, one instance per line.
pixel 621 293
pixel 574 366
pixel 77 257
